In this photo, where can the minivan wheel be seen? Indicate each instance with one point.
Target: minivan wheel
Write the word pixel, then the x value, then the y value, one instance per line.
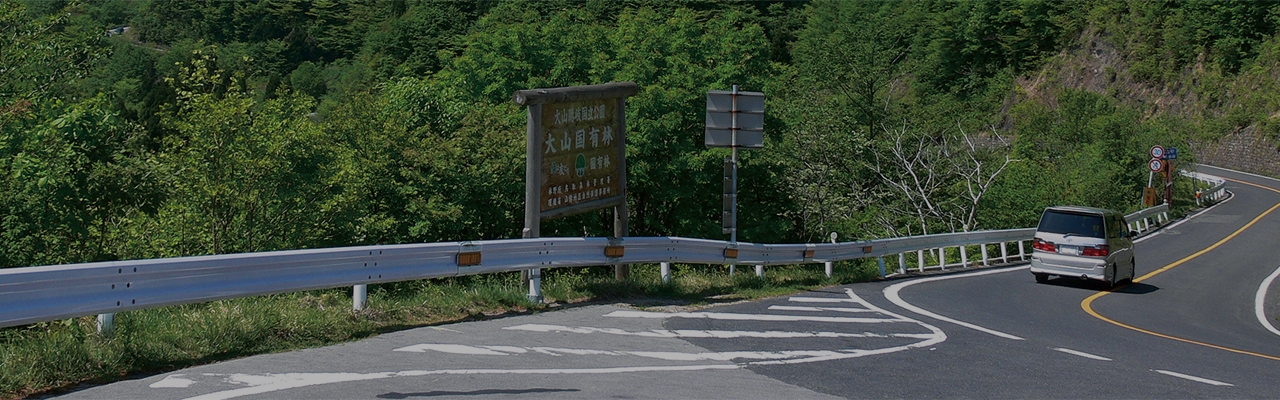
pixel 1041 278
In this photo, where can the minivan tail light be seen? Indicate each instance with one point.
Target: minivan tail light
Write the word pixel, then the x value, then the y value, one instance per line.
pixel 1040 244
pixel 1097 251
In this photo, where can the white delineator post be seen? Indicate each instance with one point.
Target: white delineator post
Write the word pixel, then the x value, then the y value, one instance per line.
pixel 106 323
pixel 359 296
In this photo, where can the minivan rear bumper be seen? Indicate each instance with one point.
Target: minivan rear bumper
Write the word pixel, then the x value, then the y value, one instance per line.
pixel 1096 271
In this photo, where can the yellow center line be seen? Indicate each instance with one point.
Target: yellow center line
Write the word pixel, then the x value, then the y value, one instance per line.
pixel 1087 304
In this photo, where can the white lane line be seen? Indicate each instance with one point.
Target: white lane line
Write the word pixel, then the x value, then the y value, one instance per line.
pixel 267 383
pixel 661 355
pixel 891 293
pixel 836 309
pixel 1239 172
pixel 1082 354
pixel 746 317
pixel 662 333
pixel 1184 220
pixel 1259 301
pixel 819 300
pixel 1193 378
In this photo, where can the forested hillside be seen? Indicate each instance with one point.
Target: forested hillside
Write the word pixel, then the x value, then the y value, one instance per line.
pixel 138 129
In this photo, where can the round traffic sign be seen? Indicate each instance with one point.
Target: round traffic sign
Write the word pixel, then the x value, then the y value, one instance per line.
pixel 1157 152
pixel 1156 165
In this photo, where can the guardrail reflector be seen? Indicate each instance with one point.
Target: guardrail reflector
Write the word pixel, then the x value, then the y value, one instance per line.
pixel 614 251
pixel 866 249
pixel 808 253
pixel 467 259
pixel 730 253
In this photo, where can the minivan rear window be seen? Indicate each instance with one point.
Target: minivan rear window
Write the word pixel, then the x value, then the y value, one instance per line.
pixel 1071 223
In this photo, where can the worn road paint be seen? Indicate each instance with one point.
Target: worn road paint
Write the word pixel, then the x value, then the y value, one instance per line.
pixel 818 309
pixel 658 333
pixel 891 293
pixel 746 317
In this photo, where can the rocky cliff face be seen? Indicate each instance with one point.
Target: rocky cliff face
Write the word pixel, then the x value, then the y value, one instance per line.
pixel 1095 64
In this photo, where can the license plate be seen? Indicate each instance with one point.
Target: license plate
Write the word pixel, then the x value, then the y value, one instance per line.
pixel 1069 250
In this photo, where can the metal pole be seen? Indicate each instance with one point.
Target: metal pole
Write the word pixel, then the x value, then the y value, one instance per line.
pixel 733 208
pixel 621 219
pixel 881 259
pixel 920 260
pixel 1004 253
pixel 902 263
pixel 359 295
pixel 759 271
pixel 984 255
pixel 964 256
pixel 106 323
pixel 665 269
pixel 830 267
pixel 732 267
pixel 942 258
pixel 1022 254
pixel 532 193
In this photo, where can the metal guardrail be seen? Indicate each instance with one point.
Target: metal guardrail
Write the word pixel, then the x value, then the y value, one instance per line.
pixel 35 294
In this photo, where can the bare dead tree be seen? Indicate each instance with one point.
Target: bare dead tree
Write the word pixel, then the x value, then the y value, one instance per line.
pixel 937 180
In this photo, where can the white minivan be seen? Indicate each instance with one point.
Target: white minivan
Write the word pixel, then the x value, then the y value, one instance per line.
pixel 1084 242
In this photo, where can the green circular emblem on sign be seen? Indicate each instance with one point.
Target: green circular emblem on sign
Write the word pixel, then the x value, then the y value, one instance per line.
pixel 582 165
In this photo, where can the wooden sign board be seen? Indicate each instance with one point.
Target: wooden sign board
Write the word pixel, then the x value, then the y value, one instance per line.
pixel 576 149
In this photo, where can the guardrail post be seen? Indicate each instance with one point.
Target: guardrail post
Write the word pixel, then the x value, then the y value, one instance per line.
pixel 920 260
pixel 984 255
pixel 535 285
pixel 1165 215
pixel 881 259
pixel 830 267
pixel 1146 224
pixel 665 269
pixel 1004 253
pixel 964 256
pixel 902 263
pixel 106 324
pixel 942 258
pixel 1022 254
pixel 759 271
pixel 359 295
pixel 732 267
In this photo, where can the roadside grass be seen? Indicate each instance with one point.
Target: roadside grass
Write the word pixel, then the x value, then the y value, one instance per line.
pixel 58 356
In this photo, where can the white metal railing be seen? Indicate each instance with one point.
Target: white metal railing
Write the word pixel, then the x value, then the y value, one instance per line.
pixel 34 294
pixel 1215 192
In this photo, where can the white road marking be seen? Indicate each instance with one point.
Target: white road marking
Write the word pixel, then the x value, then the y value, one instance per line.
pixel 1259 301
pixel 891 293
pixel 819 300
pixel 938 337
pixel 259 384
pixel 452 349
pixel 173 381
pixel 746 317
pixel 1082 354
pixel 683 333
pixel 1184 220
pixel 1240 172
pixel 818 309
pixel 445 329
pixel 1193 378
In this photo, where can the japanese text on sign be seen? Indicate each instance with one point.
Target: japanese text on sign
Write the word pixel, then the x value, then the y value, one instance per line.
pixel 580 153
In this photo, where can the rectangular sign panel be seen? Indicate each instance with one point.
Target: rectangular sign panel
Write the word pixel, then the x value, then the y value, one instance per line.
pixel 724 138
pixel 582 152
pixel 748 102
pixel 746 121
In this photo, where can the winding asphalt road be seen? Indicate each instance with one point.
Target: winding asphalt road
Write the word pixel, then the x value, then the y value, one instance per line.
pixel 1198 322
